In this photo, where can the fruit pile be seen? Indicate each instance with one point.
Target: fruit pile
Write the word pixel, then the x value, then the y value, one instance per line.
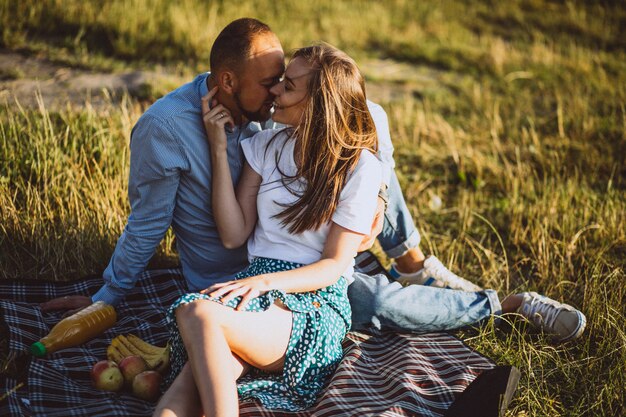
pixel 132 363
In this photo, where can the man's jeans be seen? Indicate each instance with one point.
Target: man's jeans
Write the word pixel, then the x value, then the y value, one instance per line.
pixel 416 308
pixel 381 304
pixel 399 233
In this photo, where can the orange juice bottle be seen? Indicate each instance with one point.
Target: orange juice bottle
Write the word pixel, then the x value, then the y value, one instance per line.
pixel 76 329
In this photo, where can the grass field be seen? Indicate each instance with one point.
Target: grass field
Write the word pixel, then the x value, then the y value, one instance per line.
pixel 519 128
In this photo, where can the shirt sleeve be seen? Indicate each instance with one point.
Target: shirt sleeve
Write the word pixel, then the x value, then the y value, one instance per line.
pixel 359 197
pixel 385 146
pixel 255 149
pixel 156 162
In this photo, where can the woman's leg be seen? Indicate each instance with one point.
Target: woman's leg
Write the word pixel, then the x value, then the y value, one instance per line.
pixel 182 399
pixel 212 333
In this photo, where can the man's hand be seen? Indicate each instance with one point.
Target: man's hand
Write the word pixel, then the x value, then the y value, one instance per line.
pixel 72 303
pixel 377 227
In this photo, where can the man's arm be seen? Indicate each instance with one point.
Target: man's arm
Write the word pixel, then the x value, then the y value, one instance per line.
pixel 157 160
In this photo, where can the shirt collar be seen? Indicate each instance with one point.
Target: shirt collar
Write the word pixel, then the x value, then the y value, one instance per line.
pixel 204 88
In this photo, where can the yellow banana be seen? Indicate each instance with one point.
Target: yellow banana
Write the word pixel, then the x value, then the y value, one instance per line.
pixel 117 350
pixel 163 361
pixel 113 354
pixel 157 358
pixel 121 347
pixel 144 346
pixel 129 346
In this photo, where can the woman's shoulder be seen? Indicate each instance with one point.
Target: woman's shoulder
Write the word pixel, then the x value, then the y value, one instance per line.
pixel 268 134
pixel 264 137
pixel 368 160
pixel 259 147
pixel 369 166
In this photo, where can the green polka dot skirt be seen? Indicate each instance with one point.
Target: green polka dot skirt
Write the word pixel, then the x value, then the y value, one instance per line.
pixel 321 320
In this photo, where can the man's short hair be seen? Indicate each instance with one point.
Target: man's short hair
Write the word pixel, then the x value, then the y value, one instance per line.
pixel 232 46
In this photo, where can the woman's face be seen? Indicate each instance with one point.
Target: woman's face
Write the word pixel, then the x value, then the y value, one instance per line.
pixel 291 93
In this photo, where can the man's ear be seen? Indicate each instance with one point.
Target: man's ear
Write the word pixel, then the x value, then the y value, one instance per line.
pixel 228 82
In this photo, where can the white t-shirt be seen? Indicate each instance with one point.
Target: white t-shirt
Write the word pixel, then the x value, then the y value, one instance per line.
pixel 270 239
pixel 385 147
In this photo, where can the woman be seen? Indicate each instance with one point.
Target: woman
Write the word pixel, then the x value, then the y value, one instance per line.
pixel 306 198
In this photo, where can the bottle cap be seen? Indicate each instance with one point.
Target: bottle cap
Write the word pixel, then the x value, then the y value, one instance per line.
pixel 38 349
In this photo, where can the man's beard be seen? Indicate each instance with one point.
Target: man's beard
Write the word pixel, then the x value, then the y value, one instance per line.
pixel 253 116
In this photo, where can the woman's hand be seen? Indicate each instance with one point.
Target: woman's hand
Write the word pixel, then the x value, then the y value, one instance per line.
pixel 248 288
pixel 215 117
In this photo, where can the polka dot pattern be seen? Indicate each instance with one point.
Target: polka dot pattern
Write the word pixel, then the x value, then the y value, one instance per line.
pixel 321 320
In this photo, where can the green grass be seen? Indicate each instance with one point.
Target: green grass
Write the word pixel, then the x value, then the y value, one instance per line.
pixel 521 133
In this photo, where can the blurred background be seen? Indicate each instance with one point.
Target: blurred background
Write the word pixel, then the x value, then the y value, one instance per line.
pixel 508 120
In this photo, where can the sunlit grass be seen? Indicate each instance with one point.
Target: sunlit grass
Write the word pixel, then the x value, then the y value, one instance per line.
pixel 62 188
pixel 520 130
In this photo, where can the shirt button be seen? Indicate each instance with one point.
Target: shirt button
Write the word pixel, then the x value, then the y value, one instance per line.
pixel 316 304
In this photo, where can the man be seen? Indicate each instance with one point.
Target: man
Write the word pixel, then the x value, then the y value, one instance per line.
pixel 170 185
pixel 170 169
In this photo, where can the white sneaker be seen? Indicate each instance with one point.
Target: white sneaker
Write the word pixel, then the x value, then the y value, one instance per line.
pixel 560 320
pixel 434 274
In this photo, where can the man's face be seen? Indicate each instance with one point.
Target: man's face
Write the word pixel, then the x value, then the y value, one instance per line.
pixel 258 75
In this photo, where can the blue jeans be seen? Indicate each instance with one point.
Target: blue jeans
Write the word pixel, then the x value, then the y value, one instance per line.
pixel 382 304
pixel 399 233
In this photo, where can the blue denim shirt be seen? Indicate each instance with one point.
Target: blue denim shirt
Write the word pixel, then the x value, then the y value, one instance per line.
pixel 170 184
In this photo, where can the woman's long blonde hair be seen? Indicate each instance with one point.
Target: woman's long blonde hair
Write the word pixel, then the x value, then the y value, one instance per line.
pixel 335 127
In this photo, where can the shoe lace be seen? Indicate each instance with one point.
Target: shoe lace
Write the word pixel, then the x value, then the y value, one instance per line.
pixel 544 313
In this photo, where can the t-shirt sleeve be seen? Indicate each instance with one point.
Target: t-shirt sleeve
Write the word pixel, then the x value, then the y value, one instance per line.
pixel 359 197
pixel 255 149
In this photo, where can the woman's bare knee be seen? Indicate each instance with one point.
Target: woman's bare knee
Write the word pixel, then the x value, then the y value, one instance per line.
pixel 200 311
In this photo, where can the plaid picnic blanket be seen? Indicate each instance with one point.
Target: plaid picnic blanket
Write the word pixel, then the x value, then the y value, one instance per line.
pixel 385 374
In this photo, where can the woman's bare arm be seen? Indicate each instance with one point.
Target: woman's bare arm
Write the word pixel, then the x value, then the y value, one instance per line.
pixel 339 251
pixel 235 213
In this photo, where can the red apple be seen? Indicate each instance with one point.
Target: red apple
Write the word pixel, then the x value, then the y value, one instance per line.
pixel 106 376
pixel 146 385
pixel 132 366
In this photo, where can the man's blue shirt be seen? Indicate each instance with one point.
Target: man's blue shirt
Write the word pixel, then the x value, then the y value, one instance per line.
pixel 170 184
